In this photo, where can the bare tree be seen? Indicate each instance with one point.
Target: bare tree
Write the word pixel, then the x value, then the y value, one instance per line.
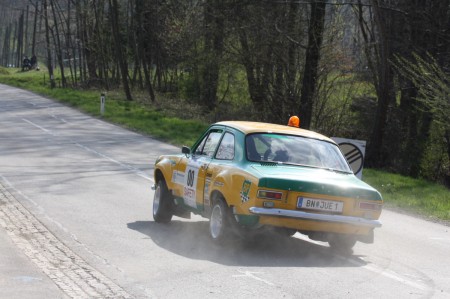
pixel 114 7
pixel 49 51
pixel 315 37
pixel 58 48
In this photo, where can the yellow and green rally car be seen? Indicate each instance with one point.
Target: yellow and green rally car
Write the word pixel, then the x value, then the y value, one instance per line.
pixel 247 175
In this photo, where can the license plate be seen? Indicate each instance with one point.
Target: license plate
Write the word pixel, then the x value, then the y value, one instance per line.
pixel 320 204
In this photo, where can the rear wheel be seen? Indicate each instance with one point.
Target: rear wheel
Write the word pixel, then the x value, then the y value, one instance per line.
pixel 342 244
pixel 219 223
pixel 162 203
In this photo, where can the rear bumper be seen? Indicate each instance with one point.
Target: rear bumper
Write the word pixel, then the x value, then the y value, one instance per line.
pixel 318 217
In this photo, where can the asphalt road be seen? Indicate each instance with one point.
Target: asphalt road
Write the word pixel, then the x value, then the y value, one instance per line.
pixel 76 222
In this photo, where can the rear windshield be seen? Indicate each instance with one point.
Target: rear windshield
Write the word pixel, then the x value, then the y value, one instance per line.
pixel 296 150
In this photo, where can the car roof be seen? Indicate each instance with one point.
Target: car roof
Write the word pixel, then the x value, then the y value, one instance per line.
pixel 249 127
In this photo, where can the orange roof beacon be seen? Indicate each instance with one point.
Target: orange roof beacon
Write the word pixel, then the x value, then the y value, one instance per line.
pixel 294 121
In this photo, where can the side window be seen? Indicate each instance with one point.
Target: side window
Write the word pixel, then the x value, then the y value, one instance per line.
pixel 252 152
pixel 226 148
pixel 208 145
pixel 199 149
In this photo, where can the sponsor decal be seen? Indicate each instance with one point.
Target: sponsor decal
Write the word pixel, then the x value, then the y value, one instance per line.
pixel 178 177
pixel 206 192
pixel 218 184
pixel 245 190
pixel 190 184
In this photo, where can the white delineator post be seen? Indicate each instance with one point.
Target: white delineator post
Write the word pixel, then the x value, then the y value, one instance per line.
pixel 102 103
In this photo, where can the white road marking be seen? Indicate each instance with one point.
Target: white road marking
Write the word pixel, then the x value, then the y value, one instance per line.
pixel 373 268
pixel 440 239
pixel 131 168
pixel 24 278
pixel 136 171
pixel 38 126
pixel 57 118
pixel 251 275
pixel 397 277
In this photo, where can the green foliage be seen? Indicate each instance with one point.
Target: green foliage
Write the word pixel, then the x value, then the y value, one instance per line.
pixel 233 100
pixel 339 97
pixel 4 71
pixel 414 195
pixel 435 162
pixel 432 82
pixel 188 86
pixel 233 86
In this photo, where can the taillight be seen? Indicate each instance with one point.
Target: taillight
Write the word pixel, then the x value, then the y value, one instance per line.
pixel 270 194
pixel 370 206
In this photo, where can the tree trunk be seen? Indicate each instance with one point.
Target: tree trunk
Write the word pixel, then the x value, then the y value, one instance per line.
pixel 447 139
pixel 114 6
pixel 69 45
pixel 13 58
pixel 81 41
pixel 141 40
pixel 7 46
pixel 20 41
pixel 385 88
pixel 33 42
pixel 315 37
pixel 58 45
pixel 213 38
pixel 291 69
pixel 256 94
pixel 47 41
pixel 26 31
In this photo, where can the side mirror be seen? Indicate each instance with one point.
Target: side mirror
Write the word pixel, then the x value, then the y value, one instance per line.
pixel 186 150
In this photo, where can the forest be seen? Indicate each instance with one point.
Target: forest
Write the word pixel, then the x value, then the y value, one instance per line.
pixel 374 70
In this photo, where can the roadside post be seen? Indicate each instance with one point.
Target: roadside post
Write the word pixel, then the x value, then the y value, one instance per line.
pixel 354 151
pixel 102 103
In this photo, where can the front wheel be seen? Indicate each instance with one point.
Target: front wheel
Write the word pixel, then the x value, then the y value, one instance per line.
pixel 162 203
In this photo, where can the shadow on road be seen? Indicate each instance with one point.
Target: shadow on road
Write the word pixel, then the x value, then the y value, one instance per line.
pixel 191 240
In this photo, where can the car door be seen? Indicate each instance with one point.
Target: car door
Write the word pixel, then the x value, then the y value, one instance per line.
pixel 193 180
pixel 223 159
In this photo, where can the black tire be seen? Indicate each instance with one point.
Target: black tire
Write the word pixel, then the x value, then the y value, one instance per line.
pixel 342 243
pixel 162 203
pixel 278 231
pixel 219 223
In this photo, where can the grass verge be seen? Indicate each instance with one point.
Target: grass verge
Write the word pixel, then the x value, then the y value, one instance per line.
pixel 414 196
